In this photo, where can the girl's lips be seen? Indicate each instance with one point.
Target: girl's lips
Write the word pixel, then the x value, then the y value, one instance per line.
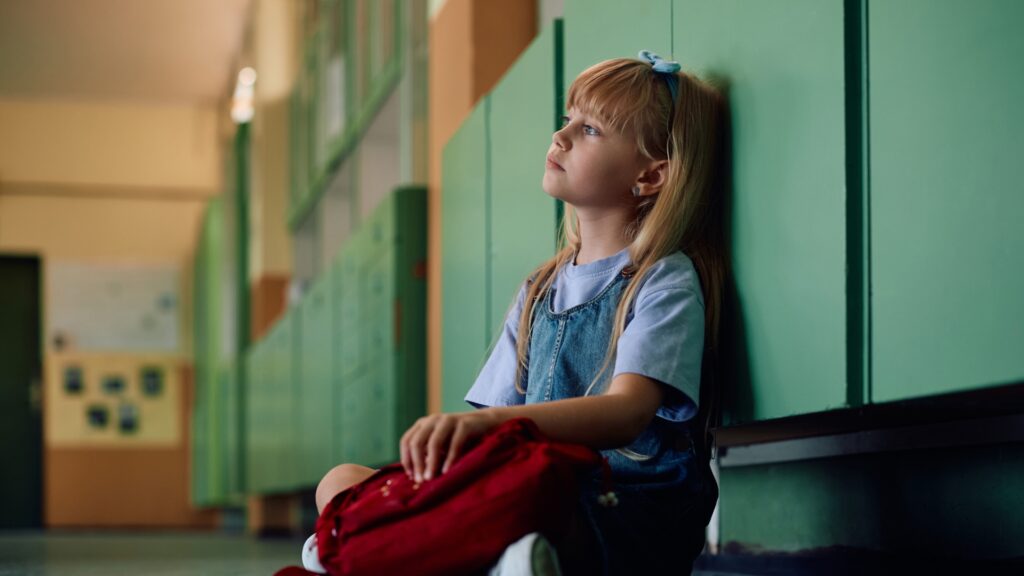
pixel 554 165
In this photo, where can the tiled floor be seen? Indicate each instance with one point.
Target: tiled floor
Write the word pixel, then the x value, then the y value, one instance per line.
pixel 150 554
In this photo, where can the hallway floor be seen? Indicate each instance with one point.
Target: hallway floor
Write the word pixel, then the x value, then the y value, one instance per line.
pixel 151 554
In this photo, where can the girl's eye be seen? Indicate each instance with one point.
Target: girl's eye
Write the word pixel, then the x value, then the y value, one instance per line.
pixel 587 128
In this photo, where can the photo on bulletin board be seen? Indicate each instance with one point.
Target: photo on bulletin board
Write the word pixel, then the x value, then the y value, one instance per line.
pixel 97 416
pixel 113 384
pixel 152 381
pixel 128 418
pixel 73 384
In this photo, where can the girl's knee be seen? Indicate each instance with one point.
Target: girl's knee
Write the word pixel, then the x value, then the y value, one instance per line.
pixel 338 479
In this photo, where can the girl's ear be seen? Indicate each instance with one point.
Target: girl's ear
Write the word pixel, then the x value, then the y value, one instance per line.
pixel 652 178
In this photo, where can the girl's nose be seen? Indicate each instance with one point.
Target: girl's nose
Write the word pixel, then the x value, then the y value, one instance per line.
pixel 560 140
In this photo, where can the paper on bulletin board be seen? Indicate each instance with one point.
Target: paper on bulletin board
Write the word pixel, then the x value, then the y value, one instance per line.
pixel 113 307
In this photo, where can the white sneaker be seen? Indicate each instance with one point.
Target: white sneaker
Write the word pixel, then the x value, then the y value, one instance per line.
pixel 311 557
pixel 531 555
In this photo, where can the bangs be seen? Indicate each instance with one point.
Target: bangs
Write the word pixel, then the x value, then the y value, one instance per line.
pixel 623 94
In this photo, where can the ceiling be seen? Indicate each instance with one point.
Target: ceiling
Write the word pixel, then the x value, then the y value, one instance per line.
pixel 165 50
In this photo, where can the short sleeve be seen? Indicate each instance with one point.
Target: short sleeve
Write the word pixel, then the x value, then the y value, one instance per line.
pixel 495 385
pixel 664 341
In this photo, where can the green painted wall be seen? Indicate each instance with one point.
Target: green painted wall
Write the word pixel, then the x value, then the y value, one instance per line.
pixel 497 222
pixel 464 243
pixel 947 132
pixel 783 65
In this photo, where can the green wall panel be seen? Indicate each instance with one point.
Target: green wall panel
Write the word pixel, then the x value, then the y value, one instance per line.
pixel 597 30
pixel 464 202
pixel 524 113
pixel 784 64
pixel 946 195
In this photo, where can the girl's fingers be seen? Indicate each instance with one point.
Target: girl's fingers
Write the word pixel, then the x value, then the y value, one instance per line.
pixel 436 444
pixel 458 439
pixel 417 447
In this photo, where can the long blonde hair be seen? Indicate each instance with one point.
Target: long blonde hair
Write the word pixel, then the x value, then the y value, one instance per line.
pixel 630 98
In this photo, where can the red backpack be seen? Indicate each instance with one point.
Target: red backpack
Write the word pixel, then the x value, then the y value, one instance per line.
pixel 511 482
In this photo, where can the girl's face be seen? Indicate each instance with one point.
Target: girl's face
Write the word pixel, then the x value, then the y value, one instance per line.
pixel 589 166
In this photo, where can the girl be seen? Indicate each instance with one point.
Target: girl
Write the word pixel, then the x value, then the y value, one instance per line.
pixel 605 342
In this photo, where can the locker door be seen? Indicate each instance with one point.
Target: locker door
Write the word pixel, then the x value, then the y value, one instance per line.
pixel 315 395
pixel 337 380
pixel 464 199
pixel 524 113
pixel 784 63
pixel 946 196
pixel 255 458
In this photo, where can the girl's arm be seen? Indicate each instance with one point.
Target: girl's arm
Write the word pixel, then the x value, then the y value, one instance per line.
pixel 610 420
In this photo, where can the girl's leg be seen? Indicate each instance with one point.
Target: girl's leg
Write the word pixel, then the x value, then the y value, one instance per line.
pixel 340 478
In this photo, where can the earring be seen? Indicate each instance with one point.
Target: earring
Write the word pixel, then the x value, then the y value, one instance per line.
pixel 636 191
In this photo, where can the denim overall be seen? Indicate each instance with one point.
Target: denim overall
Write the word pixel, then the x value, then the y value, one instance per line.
pixel 658 525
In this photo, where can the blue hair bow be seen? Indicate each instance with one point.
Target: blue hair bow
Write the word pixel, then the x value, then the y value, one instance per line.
pixel 666 69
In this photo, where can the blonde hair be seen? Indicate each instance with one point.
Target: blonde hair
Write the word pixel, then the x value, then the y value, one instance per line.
pixel 630 98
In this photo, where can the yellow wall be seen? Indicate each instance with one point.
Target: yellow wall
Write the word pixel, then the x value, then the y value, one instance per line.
pixel 171 147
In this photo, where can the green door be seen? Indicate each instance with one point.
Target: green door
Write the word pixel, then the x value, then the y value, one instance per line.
pixel 946 134
pixel 784 64
pixel 464 247
pixel 21 429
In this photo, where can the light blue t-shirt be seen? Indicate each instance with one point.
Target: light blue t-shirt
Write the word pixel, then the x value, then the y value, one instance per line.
pixel 663 338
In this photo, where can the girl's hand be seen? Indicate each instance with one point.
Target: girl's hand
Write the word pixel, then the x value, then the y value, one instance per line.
pixel 439 436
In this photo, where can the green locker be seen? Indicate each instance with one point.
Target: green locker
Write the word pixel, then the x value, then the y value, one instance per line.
pixel 784 64
pixel 315 379
pixel 255 407
pixel 282 407
pixel 208 427
pixel 597 30
pixel 946 133
pixel 229 443
pixel 525 110
pixel 338 305
pixel 377 396
pixel 464 245
pixel 382 314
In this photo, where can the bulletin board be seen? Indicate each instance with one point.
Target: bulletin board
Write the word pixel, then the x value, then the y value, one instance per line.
pixel 108 400
pixel 113 307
